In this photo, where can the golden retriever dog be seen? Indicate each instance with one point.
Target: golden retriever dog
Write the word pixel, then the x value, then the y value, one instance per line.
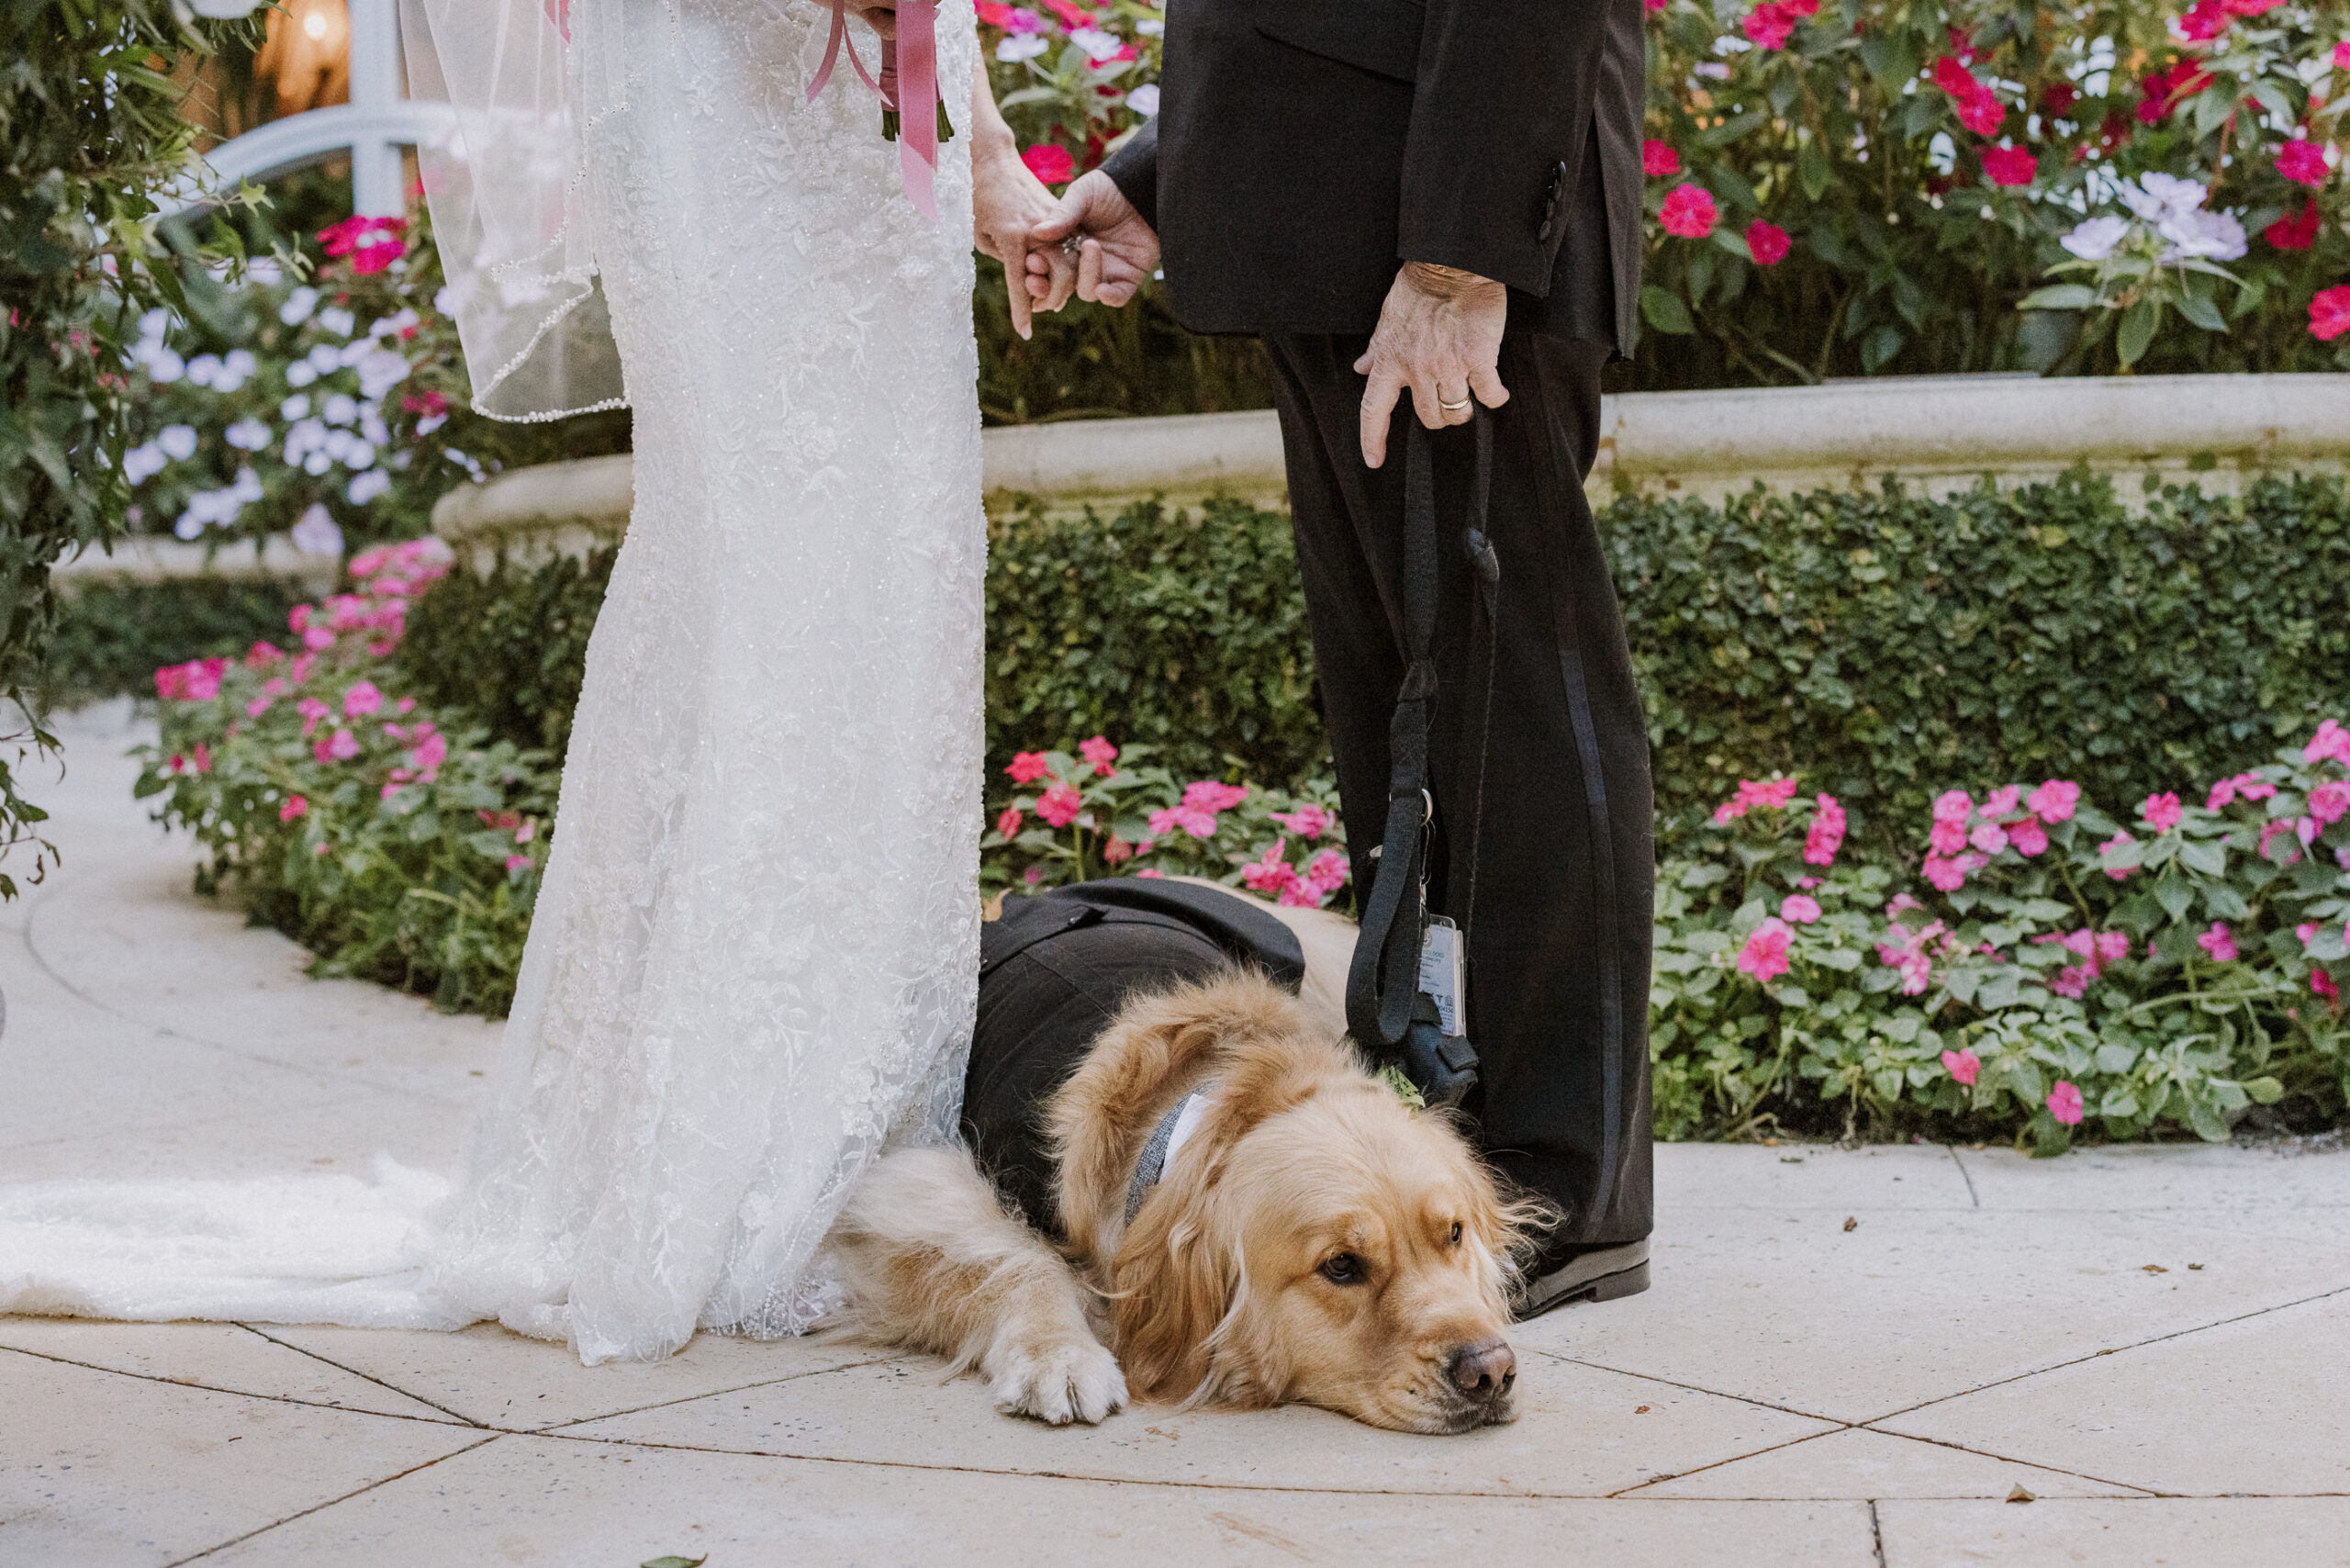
pixel 1314 1240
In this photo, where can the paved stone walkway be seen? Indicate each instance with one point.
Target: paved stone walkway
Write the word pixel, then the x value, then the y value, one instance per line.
pixel 1848 1359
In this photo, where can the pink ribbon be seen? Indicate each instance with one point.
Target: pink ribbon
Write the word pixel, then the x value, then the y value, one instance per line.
pixel 909 75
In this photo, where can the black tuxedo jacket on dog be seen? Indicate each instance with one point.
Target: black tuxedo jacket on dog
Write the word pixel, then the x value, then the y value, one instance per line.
pixel 1305 149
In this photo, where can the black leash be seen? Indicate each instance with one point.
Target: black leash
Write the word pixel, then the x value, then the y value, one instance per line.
pixel 1387 1012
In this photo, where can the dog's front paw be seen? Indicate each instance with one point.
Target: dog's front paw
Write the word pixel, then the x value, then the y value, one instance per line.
pixel 1059 1379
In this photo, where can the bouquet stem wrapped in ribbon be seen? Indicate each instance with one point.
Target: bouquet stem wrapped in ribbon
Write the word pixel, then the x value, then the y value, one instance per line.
pixel 909 75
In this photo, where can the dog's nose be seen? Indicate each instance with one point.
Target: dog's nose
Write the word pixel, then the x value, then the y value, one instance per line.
pixel 1485 1371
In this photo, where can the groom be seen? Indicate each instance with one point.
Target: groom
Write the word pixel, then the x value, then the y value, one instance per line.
pixel 1420 208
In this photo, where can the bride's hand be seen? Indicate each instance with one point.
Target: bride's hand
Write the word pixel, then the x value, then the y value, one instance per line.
pixel 1007 201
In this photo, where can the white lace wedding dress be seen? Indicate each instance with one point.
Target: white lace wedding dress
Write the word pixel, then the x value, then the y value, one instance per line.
pixel 753 961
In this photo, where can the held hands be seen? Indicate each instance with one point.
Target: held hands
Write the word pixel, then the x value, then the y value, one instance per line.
pixel 1117 254
pixel 1440 335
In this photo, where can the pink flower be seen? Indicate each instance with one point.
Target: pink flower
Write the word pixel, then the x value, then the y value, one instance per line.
pixel 1008 822
pixel 1826 836
pixel 2026 836
pixel 2342 57
pixel 2330 313
pixel 1768 25
pixel 2272 831
pixel 2011 165
pixel 1308 821
pixel 2307 932
pixel 407 704
pixel 2302 161
pixel 2295 230
pixel 2332 741
pixel 1800 908
pixel 2220 942
pixel 1060 805
pixel 257 707
pixel 318 639
pixel 313 713
pixel 1151 871
pixel 1207 795
pixel 1050 162
pixel 295 806
pixel 2055 800
pixel 2329 802
pixel 1191 820
pixel 1768 242
pixel 428 755
pixel 2322 983
pixel 1947 838
pixel 518 863
pixel 1773 792
pixel 1116 852
pixel 1271 872
pixel 1765 954
pixel 273 687
pixel 1688 212
pixel 261 655
pixel 1100 753
pixel 339 747
pixel 1027 767
pixel 2073 980
pixel 1658 159
pixel 1329 872
pixel 362 699
pixel 1964 1066
pixel 2162 812
pixel 2001 802
pixel 1949 875
pixel 1954 805
pixel 1655 5
pixel 2112 946
pixel 1988 837
pixel 372 244
pixel 2106 850
pixel 2064 1103
pixel 2205 20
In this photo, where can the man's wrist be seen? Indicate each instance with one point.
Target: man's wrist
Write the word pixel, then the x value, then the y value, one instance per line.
pixel 1441 282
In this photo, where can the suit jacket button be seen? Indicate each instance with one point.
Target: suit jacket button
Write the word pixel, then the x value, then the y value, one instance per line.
pixel 1542 235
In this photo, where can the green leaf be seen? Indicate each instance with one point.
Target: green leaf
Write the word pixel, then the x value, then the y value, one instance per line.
pixel 2175 895
pixel 1812 170
pixel 2059 296
pixel 1663 310
pixel 2264 1091
pixel 674 1562
pixel 1890 54
pixel 2137 324
pixel 1731 129
pixel 2199 310
pixel 2206 856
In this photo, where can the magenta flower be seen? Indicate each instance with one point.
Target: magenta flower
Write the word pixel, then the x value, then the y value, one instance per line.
pixel 362 699
pixel 2064 1103
pixel 1964 1066
pixel 2220 942
pixel 1949 875
pixel 261 655
pixel 2053 801
pixel 1801 909
pixel 2342 57
pixel 2302 161
pixel 1027 767
pixel 1954 806
pixel 1947 838
pixel 2329 802
pixel 2073 980
pixel 1988 837
pixel 2332 741
pixel 1768 242
pixel 1190 819
pixel 2162 812
pixel 1689 212
pixel 1060 805
pixel 429 754
pixel 1271 872
pixel 1658 159
pixel 1826 836
pixel 1008 822
pixel 1329 872
pixel 1769 24
pixel 2204 20
pixel 1050 162
pixel 2026 836
pixel 2011 165
pixel 2112 946
pixel 1308 821
pixel 1770 792
pixel 295 806
pixel 1207 795
pixel 2330 313
pixel 2322 984
pixel 314 712
pixel 518 863
pixel 339 747
pixel 1765 954
pixel 1100 753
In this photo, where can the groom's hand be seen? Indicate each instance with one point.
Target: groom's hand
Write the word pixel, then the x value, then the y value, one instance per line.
pixel 1440 335
pixel 1119 250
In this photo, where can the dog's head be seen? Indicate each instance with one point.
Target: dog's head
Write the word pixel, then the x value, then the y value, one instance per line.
pixel 1319 1242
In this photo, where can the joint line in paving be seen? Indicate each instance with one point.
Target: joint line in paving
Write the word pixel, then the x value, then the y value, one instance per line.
pixel 1700 1388
pixel 330 1502
pixel 245 1393
pixel 1968 1176
pixel 366 1376
pixel 1876 1534
pixel 688 1398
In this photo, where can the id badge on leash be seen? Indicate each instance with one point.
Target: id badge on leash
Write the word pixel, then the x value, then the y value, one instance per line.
pixel 1443 960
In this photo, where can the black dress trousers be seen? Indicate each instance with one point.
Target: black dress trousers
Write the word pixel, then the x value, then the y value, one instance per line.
pixel 1549 868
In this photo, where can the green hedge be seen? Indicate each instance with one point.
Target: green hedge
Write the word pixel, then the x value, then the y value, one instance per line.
pixel 110 637
pixel 1885 647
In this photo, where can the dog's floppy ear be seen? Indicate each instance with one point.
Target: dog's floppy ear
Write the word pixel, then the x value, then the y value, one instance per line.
pixel 1176 1284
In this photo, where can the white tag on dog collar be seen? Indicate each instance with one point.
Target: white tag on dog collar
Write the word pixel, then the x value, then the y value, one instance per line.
pixel 1442 960
pixel 1186 1121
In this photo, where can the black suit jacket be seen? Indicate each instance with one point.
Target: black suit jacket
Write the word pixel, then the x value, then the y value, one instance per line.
pixel 1304 149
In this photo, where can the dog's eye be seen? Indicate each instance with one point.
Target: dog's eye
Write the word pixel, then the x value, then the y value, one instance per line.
pixel 1456 1233
pixel 1345 1269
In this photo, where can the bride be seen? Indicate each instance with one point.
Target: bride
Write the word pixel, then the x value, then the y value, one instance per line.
pixel 753 960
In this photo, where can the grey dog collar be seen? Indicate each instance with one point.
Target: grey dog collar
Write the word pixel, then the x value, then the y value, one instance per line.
pixel 1153 1162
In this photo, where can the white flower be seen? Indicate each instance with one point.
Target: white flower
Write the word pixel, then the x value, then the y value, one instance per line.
pixel 368 485
pixel 429 424
pixel 263 272
pixel 1144 100
pixel 1015 48
pixel 165 366
pixel 204 368
pixel 299 373
pixel 380 370
pixel 2213 236
pixel 142 463
pixel 1097 44
pixel 444 301
pixel 341 409
pixel 1151 28
pixel 305 438
pixel 2094 239
pixel 298 305
pixel 153 325
pixel 359 454
pixel 2155 196
pixel 372 425
pixel 315 533
pixel 178 442
pixel 235 371
pixel 339 443
pixel 317 463
pixel 393 326
pixel 338 320
pixel 325 361
pixel 247 487
pixel 297 407
pixel 248 434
